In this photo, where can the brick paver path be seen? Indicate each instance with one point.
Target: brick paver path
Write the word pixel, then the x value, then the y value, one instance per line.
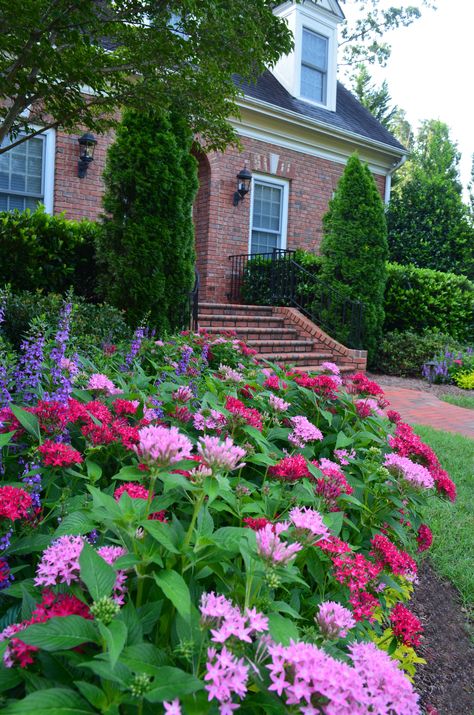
pixel 424 408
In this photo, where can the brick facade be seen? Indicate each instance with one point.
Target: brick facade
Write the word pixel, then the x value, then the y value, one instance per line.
pixel 222 229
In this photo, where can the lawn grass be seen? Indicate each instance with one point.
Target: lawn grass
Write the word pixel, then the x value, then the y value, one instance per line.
pixel 453 524
pixel 459 400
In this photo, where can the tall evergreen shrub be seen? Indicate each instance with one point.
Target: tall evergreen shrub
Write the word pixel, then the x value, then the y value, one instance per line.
pixel 355 248
pixel 147 247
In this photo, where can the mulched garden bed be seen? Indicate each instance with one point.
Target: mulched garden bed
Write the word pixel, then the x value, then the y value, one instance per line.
pixel 447 681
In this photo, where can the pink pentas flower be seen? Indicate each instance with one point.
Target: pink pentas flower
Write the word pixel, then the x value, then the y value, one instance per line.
pixel 330 367
pixel 15 503
pixel 226 677
pixel 229 374
pixel 368 407
pixel 278 404
pixel 248 415
pixel 172 708
pixel 183 394
pixel 415 474
pixel 334 620
pixel 343 456
pixel 220 455
pixel 60 562
pixel 309 520
pixel 161 446
pixel 101 383
pixel 213 421
pixel 133 489
pixel 271 548
pixel 303 431
pixel 228 621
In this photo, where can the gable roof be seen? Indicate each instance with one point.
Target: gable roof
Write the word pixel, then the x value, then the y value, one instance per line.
pixel 350 114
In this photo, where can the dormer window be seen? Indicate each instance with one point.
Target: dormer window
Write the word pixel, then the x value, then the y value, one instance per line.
pixel 314 66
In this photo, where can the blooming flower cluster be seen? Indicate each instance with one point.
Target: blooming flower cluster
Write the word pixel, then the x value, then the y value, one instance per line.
pixel 229 621
pixel 101 383
pixel 405 626
pixel 332 484
pixel 306 519
pixel 246 414
pixel 220 455
pixel 15 503
pixel 57 454
pixel 303 431
pixel 161 446
pixel 324 385
pixel 334 620
pixel 278 404
pixel 424 537
pixel 387 555
pixel 358 574
pixel 271 548
pixel 415 474
pixel 290 469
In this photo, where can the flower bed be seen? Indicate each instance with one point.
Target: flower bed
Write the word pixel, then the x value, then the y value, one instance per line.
pixel 184 531
pixel 452 367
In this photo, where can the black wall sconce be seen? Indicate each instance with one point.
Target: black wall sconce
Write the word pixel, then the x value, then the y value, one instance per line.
pixel 87 144
pixel 244 178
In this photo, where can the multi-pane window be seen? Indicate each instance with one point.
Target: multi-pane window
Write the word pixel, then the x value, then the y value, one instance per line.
pixel 268 209
pixel 314 66
pixel 22 175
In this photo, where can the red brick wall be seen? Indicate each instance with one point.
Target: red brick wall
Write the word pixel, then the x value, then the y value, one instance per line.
pixel 222 229
pixel 78 198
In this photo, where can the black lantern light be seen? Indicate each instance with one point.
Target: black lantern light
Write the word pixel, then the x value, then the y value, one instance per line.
pixel 244 177
pixel 429 371
pixel 87 145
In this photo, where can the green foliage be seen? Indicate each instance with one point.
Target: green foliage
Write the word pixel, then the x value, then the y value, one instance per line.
pixel 158 54
pixel 376 99
pixel 257 277
pixel 465 401
pixel 48 253
pixel 354 248
pixel 465 380
pixel 92 324
pixel 405 353
pixel 428 224
pixel 147 247
pixel 422 299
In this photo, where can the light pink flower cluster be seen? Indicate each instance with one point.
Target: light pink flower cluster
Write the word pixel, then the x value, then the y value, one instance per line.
pixel 215 420
pixel 334 620
pixel 416 474
pixel 60 564
pixel 303 431
pixel 278 404
pixel 228 619
pixel 220 455
pixel 101 383
pixel 229 374
pixel 161 446
pixel 333 370
pixel 317 683
pixel 172 708
pixel 271 548
pixel 182 394
pixel 343 456
pixel 226 676
pixel 309 520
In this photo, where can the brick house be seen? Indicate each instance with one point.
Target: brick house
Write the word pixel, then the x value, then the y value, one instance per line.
pixel 297 128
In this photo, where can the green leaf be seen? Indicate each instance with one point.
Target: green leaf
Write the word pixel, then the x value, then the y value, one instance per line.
pixel 97 574
pixel 211 488
pixel 53 701
pixel 143 658
pixel 6 438
pixel 343 441
pixel 94 470
pixel 28 421
pixel 282 630
pixel 175 588
pixel 92 693
pixel 61 633
pixel 170 683
pixel 115 636
pixel 229 538
pixel 79 522
pixel 161 532
pixel 334 521
pixel 129 474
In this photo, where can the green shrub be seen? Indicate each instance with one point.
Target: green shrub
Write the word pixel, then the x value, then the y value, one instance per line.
pixel 147 247
pixel 355 251
pixel 420 299
pixel 404 353
pixel 257 278
pixel 48 253
pixel 92 324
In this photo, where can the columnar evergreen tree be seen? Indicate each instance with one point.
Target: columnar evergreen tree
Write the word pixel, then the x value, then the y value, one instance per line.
pixel 428 223
pixel 147 246
pixel 354 247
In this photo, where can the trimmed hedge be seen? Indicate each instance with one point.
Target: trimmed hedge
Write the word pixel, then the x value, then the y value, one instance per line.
pixel 405 353
pixel 49 253
pixel 420 299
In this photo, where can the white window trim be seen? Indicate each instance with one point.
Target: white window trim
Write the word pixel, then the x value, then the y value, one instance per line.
pixel 49 154
pixel 319 27
pixel 283 183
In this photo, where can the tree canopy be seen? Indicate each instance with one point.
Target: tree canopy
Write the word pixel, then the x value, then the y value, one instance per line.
pixel 74 63
pixel 429 225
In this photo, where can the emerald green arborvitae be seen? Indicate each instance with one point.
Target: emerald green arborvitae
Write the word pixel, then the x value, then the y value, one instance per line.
pixel 355 250
pixel 147 246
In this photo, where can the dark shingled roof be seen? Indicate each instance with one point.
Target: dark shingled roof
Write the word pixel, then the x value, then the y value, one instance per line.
pixel 350 114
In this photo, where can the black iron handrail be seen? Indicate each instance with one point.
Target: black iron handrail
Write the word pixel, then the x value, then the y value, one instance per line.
pixel 278 279
pixel 194 301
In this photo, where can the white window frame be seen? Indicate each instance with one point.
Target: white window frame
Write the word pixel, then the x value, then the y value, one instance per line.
pixel 49 152
pixel 281 183
pixel 323 72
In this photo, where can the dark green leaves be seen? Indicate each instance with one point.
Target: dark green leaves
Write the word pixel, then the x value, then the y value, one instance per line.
pixel 98 576
pixel 61 633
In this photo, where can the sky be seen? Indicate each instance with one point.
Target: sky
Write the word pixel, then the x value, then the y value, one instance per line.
pixel 431 69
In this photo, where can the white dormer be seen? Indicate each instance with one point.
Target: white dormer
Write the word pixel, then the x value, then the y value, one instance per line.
pixel 309 72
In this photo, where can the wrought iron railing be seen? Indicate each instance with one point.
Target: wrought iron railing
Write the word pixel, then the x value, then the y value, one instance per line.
pixel 190 306
pixel 276 278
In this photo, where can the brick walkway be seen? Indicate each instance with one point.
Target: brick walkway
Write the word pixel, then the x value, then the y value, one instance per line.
pixel 424 408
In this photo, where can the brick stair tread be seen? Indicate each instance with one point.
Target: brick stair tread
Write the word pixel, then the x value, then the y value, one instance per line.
pixel 250 329
pixel 243 318
pixel 273 344
pixel 266 309
pixel 296 356
pixel 317 368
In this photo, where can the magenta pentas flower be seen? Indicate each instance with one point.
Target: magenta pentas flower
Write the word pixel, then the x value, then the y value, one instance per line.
pixel 161 446
pixel 226 677
pixel 228 621
pixel 303 431
pixel 60 562
pixel 220 455
pixel 415 474
pixel 278 404
pixel 386 687
pixel 334 620
pixel 271 548
pixel 309 520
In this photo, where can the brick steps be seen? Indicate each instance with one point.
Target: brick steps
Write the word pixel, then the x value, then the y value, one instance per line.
pixel 280 335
